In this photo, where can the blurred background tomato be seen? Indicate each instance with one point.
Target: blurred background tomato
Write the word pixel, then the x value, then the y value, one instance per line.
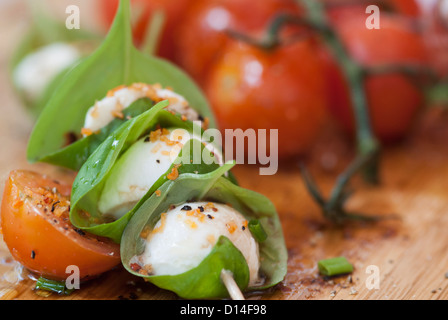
pixel 203 33
pixel 393 98
pixel 293 86
pixel 142 13
pixel 282 89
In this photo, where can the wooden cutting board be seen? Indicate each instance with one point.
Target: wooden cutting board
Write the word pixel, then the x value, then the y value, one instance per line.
pixel 409 253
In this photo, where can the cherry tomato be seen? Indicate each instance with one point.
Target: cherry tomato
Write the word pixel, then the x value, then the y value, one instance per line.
pixel 435 23
pixel 407 7
pixel 38 233
pixel 142 11
pixel 284 89
pixel 204 31
pixel 394 99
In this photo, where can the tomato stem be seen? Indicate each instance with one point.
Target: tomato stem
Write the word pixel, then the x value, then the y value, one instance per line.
pixel 153 33
pixel 368 147
pixel 333 208
pixel 367 144
pixel 438 94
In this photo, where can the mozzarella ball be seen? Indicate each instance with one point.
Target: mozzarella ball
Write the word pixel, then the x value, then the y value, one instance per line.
pixel 139 168
pixel 110 107
pixel 186 234
pixel 35 72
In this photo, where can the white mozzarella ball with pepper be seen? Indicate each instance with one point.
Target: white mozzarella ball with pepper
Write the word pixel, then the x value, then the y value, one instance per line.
pixel 186 234
pixel 118 99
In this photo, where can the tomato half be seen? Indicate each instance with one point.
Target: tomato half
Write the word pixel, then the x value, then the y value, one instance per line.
pixel 203 34
pixel 394 99
pixel 37 230
pixel 284 89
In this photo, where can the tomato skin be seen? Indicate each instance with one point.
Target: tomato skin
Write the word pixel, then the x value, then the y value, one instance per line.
pixel 174 11
pixel 407 7
pixel 203 34
pixel 282 89
pixel 393 99
pixel 435 23
pixel 45 242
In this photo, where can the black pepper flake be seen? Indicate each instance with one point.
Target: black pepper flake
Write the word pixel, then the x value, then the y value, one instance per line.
pixel 80 232
pixel 186 208
pixel 54 206
pixel 201 209
pixel 33 254
pixel 210 216
pixel 146 139
pixel 158 161
pixel 243 227
pixel 133 296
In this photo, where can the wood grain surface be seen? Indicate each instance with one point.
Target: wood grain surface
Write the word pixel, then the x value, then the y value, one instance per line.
pixel 410 252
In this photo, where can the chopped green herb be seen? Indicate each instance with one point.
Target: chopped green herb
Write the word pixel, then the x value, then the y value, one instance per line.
pixel 334 266
pixel 53 286
pixel 257 230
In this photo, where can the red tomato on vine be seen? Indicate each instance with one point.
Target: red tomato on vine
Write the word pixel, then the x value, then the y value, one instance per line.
pixel 203 35
pixel 142 11
pixel 283 88
pixel 394 98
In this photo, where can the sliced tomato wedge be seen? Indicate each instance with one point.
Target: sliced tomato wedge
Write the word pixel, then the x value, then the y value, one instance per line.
pixel 37 230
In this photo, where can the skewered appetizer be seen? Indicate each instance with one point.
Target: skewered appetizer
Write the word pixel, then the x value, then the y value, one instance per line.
pixel 211 240
pixel 138 184
pixel 136 158
pixel 185 234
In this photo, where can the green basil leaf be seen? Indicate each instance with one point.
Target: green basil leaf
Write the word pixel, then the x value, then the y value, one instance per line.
pixel 203 281
pixel 76 154
pixel 116 62
pixel 89 183
pixel 209 187
pixel 256 206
